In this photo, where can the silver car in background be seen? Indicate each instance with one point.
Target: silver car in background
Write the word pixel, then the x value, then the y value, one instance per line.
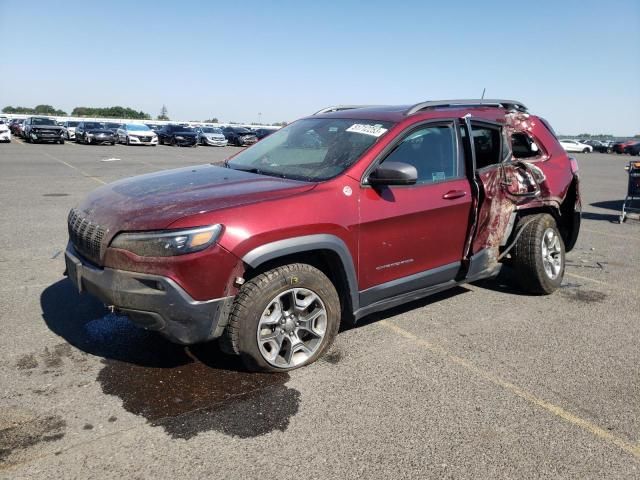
pixel 136 134
pixel 70 129
pixel 211 136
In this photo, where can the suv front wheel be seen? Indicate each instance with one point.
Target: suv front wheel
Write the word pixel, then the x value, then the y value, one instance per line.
pixel 539 256
pixel 284 318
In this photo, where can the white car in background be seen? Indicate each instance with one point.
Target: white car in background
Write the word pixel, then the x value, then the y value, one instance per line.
pixel 136 134
pixel 70 129
pixel 575 146
pixel 211 136
pixel 5 133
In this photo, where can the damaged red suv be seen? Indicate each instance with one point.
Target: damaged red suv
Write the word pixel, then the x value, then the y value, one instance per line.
pixel 349 211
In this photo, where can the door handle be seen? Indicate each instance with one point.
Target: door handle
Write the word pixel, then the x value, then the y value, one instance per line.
pixel 453 194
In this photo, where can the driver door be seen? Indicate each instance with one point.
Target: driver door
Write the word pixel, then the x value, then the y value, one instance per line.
pixel 414 236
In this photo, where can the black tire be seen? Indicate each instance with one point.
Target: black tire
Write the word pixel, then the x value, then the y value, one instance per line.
pixel 127 141
pixel 161 141
pixel 27 139
pixel 528 258
pixel 62 141
pixel 586 150
pixel 113 144
pixel 254 296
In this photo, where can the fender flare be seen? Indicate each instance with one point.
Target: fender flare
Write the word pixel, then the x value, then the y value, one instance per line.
pixel 281 248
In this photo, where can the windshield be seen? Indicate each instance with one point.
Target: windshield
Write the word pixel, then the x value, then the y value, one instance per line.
pixel 72 124
pixel 211 130
pixel 313 149
pixel 138 128
pixel 43 121
pixel 112 125
pixel 179 129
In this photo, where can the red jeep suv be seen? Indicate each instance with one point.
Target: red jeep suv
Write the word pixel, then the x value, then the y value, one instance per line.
pixel 349 211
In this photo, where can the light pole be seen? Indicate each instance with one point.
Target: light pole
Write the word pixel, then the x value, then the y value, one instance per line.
pixel 260 118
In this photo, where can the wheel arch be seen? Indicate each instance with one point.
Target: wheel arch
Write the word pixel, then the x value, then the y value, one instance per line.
pixel 326 252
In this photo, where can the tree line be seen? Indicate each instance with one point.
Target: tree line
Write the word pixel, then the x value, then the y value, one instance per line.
pixel 37 110
pixel 107 112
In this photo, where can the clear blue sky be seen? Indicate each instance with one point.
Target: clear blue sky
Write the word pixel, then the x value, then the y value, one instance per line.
pixel 575 62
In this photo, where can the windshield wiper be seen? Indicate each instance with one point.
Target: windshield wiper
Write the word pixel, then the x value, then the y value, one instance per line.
pixel 257 171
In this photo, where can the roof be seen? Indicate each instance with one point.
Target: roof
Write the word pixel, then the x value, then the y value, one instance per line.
pixel 397 113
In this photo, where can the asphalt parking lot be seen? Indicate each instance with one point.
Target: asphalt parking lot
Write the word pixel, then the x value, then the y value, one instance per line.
pixel 478 382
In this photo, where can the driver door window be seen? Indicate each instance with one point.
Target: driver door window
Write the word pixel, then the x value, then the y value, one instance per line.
pixel 432 151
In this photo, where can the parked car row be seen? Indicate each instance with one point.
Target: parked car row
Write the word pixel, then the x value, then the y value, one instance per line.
pixel 93 132
pixel 631 147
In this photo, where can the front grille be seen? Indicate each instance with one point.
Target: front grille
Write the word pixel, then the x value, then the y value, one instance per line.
pixel 45 132
pixel 144 139
pixel 85 235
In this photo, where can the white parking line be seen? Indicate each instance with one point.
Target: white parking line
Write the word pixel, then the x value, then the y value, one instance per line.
pixel 556 410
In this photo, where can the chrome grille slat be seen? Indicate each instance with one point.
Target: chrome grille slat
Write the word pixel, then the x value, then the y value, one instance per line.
pixel 85 235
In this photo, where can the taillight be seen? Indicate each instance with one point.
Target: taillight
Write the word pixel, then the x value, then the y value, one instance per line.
pixel 574 165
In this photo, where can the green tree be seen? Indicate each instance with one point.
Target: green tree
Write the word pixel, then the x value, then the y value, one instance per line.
pixel 212 120
pixel 38 110
pixel 163 113
pixel 110 112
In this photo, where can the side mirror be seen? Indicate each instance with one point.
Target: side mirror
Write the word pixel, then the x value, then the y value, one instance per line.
pixel 393 173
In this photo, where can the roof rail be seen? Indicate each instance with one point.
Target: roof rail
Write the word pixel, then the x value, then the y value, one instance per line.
pixel 506 104
pixel 337 108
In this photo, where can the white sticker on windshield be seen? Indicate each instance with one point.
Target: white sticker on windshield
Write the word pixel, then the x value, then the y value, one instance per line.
pixel 373 130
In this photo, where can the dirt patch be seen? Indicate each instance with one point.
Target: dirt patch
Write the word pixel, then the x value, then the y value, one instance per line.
pixel 333 357
pixel 27 362
pixel 20 431
pixel 54 358
pixel 583 296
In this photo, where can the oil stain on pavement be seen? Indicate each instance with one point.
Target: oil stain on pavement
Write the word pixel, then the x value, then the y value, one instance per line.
pixel 185 390
pixel 191 391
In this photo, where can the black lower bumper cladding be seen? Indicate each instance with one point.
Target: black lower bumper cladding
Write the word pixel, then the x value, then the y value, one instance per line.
pixel 153 302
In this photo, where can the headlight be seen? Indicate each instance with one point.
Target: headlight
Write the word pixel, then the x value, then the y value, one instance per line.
pixel 179 137
pixel 168 243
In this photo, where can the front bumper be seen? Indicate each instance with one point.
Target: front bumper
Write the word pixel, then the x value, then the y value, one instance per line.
pixel 102 138
pixel 216 143
pixel 146 140
pixel 5 136
pixel 46 136
pixel 153 302
pixel 185 141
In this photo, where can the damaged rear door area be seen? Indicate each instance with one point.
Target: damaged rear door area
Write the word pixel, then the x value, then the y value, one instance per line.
pixel 502 184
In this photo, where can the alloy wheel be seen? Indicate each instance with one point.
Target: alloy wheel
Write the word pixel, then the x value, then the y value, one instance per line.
pixel 551 253
pixel 292 327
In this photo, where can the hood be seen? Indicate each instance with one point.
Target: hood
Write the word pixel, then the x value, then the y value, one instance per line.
pixel 154 201
pixel 184 134
pixel 96 131
pixel 216 136
pixel 138 133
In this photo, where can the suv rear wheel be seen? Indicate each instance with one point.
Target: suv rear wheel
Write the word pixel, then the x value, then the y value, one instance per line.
pixel 539 256
pixel 284 318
